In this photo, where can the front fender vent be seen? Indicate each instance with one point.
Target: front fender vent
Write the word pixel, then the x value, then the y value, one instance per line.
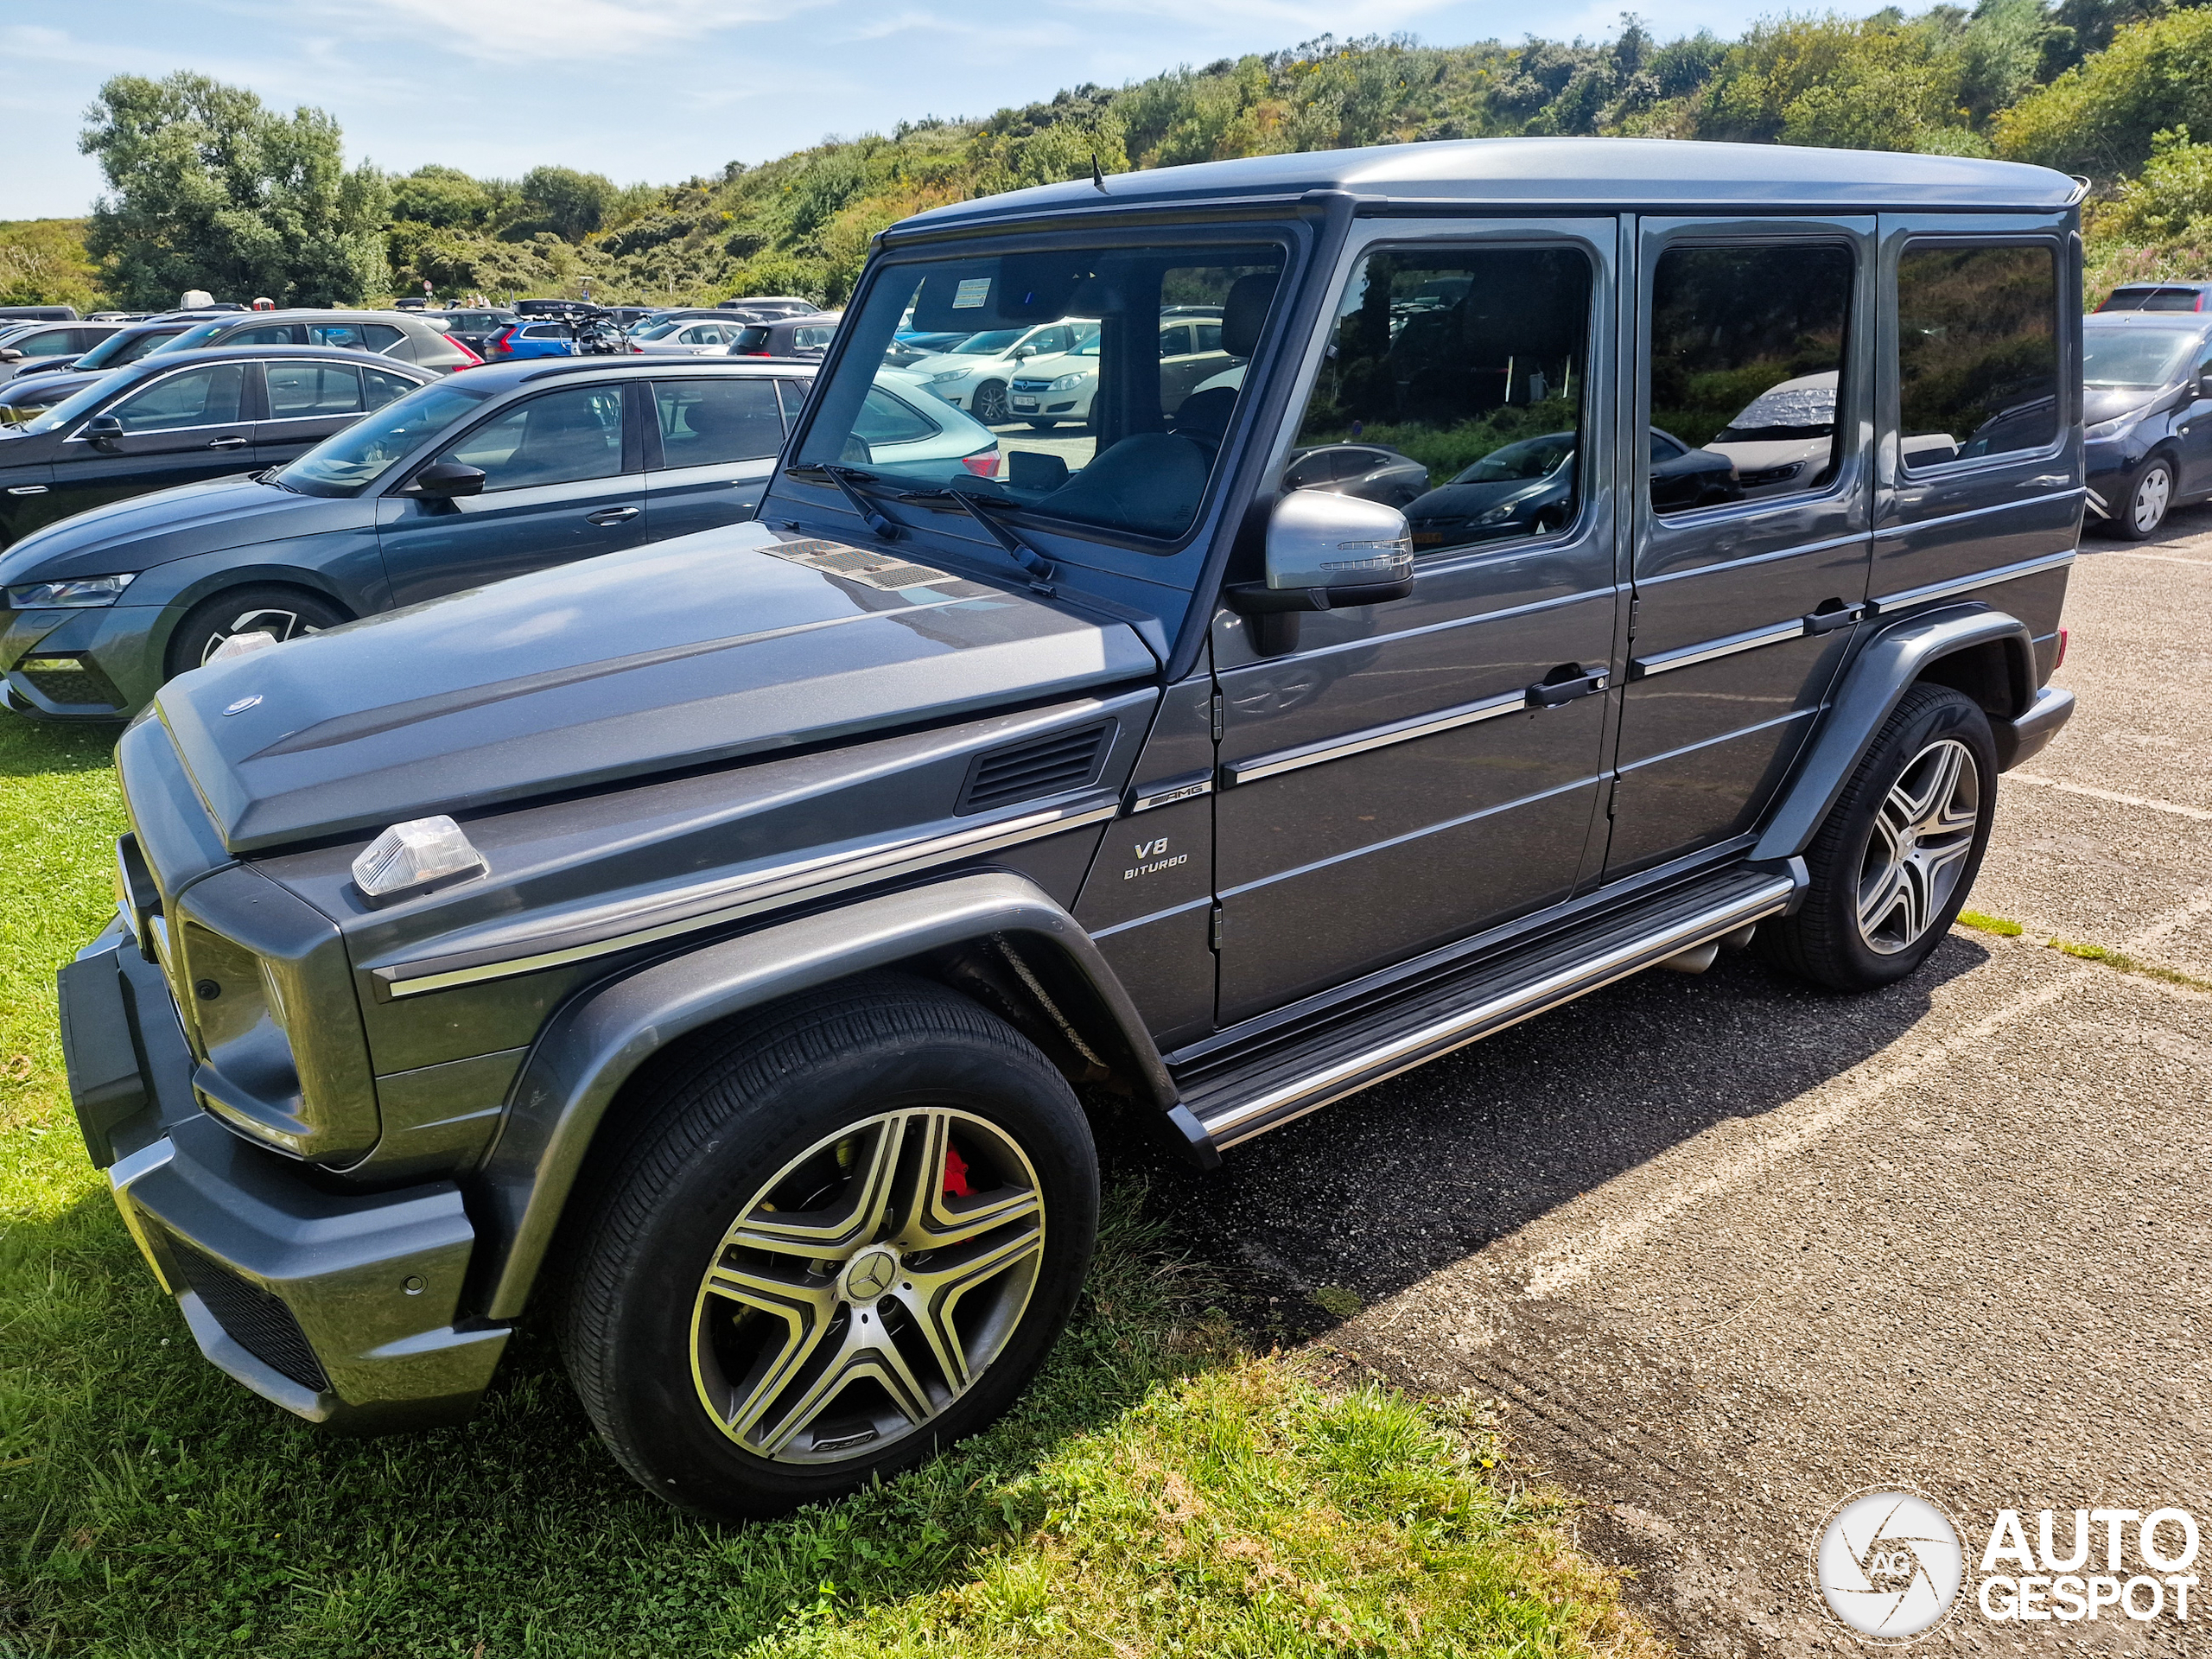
pixel 1044 766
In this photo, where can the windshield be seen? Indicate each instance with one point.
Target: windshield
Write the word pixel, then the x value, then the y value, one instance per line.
pixel 349 461
pixel 1128 449
pixel 71 408
pixel 2148 357
pixel 1530 458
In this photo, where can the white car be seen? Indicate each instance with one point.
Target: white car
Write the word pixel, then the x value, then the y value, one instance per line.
pixel 1050 389
pixel 1784 437
pixel 974 374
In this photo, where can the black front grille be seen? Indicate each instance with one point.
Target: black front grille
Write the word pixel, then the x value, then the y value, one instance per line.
pixel 1045 765
pixel 256 1321
pixel 69 683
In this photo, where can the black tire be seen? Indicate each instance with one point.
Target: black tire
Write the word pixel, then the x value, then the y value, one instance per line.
pixel 287 613
pixel 990 406
pixel 1854 853
pixel 2150 501
pixel 647 1344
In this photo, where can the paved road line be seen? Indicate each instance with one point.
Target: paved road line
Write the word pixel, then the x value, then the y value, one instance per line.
pixel 2161 558
pixel 2174 807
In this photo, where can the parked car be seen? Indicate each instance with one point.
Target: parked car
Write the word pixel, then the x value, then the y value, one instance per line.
pixel 1531 488
pixel 978 373
pixel 404 336
pixel 474 326
pixel 773 306
pixel 126 345
pixel 2146 401
pixel 2157 296
pixel 38 313
pixel 42 343
pixel 467 480
pixel 1786 429
pixel 702 946
pixel 26 395
pixel 806 335
pixel 1049 390
pixel 176 418
pixel 530 337
pixel 687 336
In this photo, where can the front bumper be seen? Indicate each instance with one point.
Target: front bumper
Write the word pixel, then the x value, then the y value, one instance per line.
pixel 89 664
pixel 344 1308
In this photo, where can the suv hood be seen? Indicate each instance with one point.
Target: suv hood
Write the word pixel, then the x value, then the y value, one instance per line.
pixel 684 653
pixel 150 529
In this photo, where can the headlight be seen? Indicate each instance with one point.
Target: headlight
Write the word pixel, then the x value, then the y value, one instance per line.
pixel 2111 429
pixel 944 375
pixel 77 592
pixel 1504 511
pixel 1069 382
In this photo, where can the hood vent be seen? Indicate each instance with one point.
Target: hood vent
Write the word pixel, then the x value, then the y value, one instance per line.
pixel 1044 766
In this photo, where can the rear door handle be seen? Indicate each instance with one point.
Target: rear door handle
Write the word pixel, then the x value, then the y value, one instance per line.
pixel 233 442
pixel 611 515
pixel 1829 621
pixel 1549 694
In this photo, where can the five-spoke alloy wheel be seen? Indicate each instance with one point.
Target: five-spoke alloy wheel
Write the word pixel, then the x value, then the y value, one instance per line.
pixel 283 613
pixel 840 1234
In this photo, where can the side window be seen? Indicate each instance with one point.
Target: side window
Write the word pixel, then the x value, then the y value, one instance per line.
pixel 346 334
pixel 1457 377
pixel 381 336
pixel 379 388
pixel 1977 351
pixel 559 438
pixel 1746 361
pixel 1208 336
pixel 53 342
pixel 1175 342
pixel 275 333
pixel 299 391
pixel 885 420
pixel 811 340
pixel 705 422
pixel 207 397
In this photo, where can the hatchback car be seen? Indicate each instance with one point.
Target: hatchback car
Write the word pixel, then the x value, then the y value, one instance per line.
pixel 2160 297
pixel 465 480
pixel 404 336
pixel 176 418
pixel 1530 488
pixel 2146 400
pixel 807 335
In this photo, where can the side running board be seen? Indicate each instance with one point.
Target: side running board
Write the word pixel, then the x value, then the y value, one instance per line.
pixel 1245 1098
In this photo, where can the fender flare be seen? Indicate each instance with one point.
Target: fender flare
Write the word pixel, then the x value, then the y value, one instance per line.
pixel 594 1045
pixel 1876 680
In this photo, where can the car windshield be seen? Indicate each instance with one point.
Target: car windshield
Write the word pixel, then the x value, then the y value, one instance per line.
pixel 1530 458
pixel 1130 450
pixel 70 410
pixel 349 461
pixel 2135 357
pixel 192 338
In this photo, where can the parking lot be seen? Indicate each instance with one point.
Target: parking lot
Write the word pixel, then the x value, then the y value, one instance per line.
pixel 1729 1248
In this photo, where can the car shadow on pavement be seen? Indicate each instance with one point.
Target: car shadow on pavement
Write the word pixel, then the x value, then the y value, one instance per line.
pixel 1368 1196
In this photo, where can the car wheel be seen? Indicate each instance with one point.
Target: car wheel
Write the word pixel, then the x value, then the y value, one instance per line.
pixel 989 405
pixel 2144 513
pixel 1899 850
pixel 1044 426
pixel 287 613
pixel 846 1236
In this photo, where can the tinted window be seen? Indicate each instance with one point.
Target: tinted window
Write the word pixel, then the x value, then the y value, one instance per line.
pixel 814 338
pixel 1747 360
pixel 379 388
pixel 886 419
pixel 705 422
pixel 1469 363
pixel 1175 342
pixel 207 397
pixel 1208 336
pixel 1977 351
pixel 275 333
pixel 356 457
pixel 750 342
pixel 559 438
pixel 301 391
pixel 2174 299
pixel 544 331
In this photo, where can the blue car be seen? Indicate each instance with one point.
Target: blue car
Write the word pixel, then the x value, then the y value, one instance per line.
pixel 527 337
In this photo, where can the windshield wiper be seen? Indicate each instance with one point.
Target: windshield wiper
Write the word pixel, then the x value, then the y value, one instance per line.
pixel 971 502
pixel 842 477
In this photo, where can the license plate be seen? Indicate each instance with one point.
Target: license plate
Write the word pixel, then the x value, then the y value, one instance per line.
pixel 1025 403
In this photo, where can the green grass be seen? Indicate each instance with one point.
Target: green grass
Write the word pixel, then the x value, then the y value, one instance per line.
pixel 1997 925
pixel 2120 961
pixel 1161 1490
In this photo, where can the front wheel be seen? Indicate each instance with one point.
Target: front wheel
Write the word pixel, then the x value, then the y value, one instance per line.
pixel 2144 513
pixel 845 1237
pixel 286 612
pixel 1899 850
pixel 991 407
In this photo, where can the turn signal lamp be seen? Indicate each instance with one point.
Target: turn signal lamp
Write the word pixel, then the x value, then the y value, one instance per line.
pixel 411 857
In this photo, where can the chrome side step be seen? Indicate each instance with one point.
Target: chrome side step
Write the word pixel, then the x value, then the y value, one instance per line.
pixel 1237 1103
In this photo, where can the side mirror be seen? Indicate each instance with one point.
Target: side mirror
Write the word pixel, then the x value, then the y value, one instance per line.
pixel 10 355
pixel 103 431
pixel 1325 551
pixel 441 480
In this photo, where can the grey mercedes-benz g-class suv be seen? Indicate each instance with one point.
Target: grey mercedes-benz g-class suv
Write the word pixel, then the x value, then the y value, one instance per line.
pixel 720 943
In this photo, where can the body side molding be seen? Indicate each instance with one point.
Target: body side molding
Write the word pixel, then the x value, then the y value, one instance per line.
pixel 591 1048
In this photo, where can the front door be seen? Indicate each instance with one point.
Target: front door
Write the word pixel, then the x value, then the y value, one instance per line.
pixel 563 480
pixel 1392 782
pixel 1753 423
pixel 712 446
pixel 191 424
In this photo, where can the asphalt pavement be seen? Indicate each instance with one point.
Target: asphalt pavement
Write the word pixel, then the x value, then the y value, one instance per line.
pixel 1729 1249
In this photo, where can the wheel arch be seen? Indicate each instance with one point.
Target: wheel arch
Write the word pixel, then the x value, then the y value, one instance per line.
pixel 1974 648
pixel 993 937
pixel 231 578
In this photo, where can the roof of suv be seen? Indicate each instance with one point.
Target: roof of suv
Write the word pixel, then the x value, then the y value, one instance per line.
pixel 502 377
pixel 1593 172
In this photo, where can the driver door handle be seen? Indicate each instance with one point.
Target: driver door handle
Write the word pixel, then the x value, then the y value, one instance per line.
pixel 611 515
pixel 1550 693
pixel 231 443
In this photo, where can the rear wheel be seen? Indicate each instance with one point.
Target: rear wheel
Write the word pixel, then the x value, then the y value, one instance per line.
pixel 2144 513
pixel 1899 851
pixel 845 1238
pixel 286 612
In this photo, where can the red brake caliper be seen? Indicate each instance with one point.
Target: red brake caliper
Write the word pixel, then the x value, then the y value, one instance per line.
pixel 955 1175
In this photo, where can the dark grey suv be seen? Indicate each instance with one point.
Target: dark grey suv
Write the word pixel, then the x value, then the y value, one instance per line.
pixel 706 943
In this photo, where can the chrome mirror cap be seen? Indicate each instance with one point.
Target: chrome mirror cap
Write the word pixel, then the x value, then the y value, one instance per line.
pixel 1318 539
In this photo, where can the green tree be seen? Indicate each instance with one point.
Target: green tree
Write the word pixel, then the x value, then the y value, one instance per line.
pixel 2100 117
pixel 571 204
pixel 43 262
pixel 208 188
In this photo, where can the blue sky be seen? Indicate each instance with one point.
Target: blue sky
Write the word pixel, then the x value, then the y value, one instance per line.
pixel 666 89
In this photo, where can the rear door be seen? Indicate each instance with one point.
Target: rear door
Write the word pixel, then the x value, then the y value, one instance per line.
pixel 1391 783
pixel 564 479
pixel 712 445
pixel 1752 358
pixel 180 427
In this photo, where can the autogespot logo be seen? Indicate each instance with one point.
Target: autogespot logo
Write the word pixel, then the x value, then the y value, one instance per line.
pixel 1889 1565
